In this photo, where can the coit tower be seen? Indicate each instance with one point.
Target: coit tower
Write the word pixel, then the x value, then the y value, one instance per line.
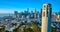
pixel 46 18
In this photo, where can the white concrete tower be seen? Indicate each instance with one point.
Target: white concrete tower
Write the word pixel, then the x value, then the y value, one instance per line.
pixel 46 18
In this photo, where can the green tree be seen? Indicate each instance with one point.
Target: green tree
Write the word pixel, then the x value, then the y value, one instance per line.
pixel 29 30
pixel 34 27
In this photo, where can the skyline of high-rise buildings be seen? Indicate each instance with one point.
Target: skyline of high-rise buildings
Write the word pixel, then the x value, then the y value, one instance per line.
pixel 42 20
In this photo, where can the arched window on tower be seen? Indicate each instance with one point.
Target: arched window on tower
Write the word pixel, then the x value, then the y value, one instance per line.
pixel 44 14
pixel 44 6
pixel 47 13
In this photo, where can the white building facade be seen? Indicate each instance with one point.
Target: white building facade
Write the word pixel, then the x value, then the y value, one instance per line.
pixel 46 18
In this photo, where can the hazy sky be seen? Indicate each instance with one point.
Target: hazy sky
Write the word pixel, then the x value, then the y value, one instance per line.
pixel 8 6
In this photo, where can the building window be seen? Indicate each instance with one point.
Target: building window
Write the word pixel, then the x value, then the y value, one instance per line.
pixel 44 6
pixel 47 13
pixel 43 13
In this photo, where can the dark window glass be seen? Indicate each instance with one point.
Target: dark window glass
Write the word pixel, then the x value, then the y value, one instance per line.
pixel 43 13
pixel 47 13
pixel 44 6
